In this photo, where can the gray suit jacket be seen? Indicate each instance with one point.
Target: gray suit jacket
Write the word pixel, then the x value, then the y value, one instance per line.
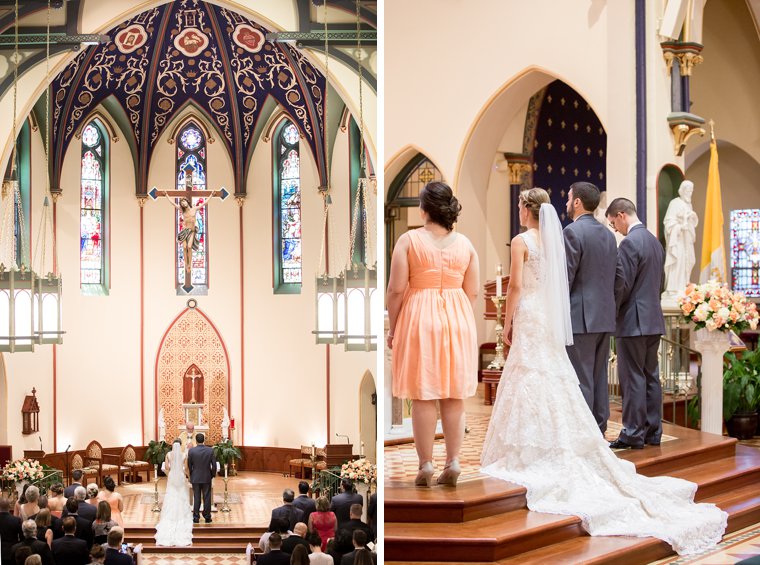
pixel 638 284
pixel 591 261
pixel 202 464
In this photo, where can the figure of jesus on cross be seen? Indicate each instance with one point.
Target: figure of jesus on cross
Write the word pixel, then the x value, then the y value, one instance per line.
pixel 188 236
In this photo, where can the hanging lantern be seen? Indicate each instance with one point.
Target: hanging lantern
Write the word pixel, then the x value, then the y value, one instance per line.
pixel 331 306
pixel 362 298
pixel 17 298
pixel 48 326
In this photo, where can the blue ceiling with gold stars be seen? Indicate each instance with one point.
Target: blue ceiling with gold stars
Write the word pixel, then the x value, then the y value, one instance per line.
pixel 189 52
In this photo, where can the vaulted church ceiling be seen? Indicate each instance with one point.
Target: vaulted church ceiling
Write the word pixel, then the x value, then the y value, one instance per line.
pixel 188 52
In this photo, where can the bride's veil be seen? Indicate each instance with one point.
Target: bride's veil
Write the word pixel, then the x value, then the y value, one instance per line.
pixel 177 472
pixel 557 293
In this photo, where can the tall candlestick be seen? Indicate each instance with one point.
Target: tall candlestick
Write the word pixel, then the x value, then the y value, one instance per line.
pixel 498 279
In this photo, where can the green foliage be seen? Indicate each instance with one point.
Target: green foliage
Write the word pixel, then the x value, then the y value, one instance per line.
pixel 226 453
pixel 741 383
pixel 156 452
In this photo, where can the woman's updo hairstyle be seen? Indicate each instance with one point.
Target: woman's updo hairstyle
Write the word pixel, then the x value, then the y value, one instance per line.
pixel 532 200
pixel 438 201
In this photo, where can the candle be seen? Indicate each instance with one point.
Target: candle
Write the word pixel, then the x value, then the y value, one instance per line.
pixel 225 470
pixel 313 450
pixel 361 449
pixel 498 279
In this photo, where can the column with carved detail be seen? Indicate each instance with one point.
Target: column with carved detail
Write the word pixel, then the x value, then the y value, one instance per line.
pixel 681 57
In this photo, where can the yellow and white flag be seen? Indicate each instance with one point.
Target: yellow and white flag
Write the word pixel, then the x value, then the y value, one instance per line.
pixel 713 265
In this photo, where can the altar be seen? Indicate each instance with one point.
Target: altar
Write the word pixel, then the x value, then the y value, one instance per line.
pixel 194 415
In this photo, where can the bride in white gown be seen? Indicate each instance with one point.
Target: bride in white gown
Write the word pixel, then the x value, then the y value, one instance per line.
pixel 176 525
pixel 542 434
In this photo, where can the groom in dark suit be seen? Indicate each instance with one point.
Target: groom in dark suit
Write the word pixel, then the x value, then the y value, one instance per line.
pixel 591 253
pixel 202 466
pixel 638 283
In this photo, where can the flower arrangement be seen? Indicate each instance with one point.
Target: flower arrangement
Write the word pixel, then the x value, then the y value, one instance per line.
pixel 713 306
pixel 359 470
pixel 23 470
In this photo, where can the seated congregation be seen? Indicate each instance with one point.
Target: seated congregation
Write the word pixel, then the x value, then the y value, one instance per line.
pixel 321 531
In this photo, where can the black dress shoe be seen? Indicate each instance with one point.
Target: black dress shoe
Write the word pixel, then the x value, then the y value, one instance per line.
pixel 620 444
pixel 196 520
pixel 208 520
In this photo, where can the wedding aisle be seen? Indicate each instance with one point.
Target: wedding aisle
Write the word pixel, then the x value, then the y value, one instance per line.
pixel 251 498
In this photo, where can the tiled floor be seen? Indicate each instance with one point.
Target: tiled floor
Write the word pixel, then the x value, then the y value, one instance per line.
pixel 734 547
pixel 401 460
pixel 192 559
pixel 258 493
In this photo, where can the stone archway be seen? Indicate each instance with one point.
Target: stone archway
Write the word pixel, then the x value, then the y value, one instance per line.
pixel 368 416
pixel 192 339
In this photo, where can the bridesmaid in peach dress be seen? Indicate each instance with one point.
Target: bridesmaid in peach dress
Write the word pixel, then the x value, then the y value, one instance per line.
pixel 431 290
pixel 114 499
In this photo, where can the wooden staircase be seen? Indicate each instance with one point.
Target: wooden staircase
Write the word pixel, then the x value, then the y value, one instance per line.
pixel 209 538
pixel 485 520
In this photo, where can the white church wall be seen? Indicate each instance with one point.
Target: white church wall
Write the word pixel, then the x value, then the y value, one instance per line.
pixel 98 15
pixel 98 363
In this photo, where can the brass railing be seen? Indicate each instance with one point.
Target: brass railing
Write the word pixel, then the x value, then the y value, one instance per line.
pixel 680 378
pixel 327 482
pixel 50 476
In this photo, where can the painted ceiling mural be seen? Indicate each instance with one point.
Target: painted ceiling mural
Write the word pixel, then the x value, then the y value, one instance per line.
pixel 189 52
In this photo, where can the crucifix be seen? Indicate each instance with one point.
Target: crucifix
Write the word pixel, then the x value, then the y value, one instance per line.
pixel 188 235
pixel 193 376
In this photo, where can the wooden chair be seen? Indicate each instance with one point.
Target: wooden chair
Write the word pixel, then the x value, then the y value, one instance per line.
pixel 77 462
pixel 304 462
pixel 300 462
pixel 320 463
pixel 93 457
pixel 133 466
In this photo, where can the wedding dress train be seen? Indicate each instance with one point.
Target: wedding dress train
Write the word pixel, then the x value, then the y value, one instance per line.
pixel 543 436
pixel 176 525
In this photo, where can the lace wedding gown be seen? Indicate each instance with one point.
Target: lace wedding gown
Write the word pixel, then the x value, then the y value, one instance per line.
pixel 176 525
pixel 543 436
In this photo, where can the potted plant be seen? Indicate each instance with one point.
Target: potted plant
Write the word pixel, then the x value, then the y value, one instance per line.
pixel 225 453
pixel 156 454
pixel 741 394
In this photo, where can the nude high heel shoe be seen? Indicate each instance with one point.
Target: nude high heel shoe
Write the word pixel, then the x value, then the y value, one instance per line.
pixel 450 474
pixel 425 475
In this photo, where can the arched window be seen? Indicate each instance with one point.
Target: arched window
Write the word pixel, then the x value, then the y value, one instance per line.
pixel 191 159
pixel 92 209
pixel 287 210
pixel 745 251
pixel 21 199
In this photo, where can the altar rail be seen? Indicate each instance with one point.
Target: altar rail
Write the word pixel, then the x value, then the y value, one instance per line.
pixel 680 378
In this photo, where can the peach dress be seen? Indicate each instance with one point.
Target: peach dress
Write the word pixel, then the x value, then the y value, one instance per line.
pixel 435 351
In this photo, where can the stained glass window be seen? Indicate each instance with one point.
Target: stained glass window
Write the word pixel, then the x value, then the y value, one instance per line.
pixel 288 271
pixel 745 251
pixel 191 159
pixel 191 138
pixel 91 207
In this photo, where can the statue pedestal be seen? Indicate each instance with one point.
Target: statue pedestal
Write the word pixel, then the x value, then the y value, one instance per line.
pixel 712 346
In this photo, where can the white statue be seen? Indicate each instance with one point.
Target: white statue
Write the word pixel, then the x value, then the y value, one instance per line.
pixel 225 424
pixel 680 225
pixel 161 425
pixel 600 211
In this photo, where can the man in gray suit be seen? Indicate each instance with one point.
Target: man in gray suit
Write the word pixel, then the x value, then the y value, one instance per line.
pixel 638 283
pixel 591 261
pixel 202 466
